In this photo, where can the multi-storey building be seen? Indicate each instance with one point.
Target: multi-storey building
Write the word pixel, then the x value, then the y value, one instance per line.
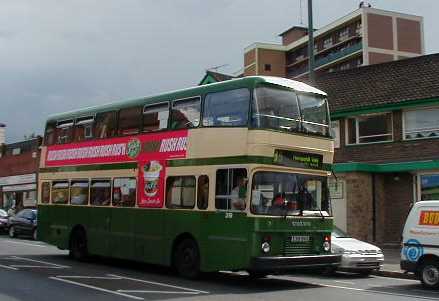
pixel 364 37
pixel 386 125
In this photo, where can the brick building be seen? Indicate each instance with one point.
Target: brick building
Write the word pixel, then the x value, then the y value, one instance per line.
pixel 18 173
pixel 386 120
pixel 365 36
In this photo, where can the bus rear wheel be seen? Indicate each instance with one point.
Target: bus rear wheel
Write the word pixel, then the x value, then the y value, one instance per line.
pixel 78 245
pixel 187 259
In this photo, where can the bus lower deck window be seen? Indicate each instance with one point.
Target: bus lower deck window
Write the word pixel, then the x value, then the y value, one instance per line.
pixel 124 192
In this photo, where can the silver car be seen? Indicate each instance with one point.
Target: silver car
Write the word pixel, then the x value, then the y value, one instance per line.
pixel 357 256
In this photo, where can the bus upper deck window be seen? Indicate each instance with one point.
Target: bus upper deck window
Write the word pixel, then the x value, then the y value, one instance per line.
pixel 186 113
pixel 64 131
pixel 50 133
pixel 155 117
pixel 129 121
pixel 105 125
pixel 227 108
pixel 84 128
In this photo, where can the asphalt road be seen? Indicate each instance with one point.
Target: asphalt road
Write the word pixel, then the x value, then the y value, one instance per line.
pixel 35 271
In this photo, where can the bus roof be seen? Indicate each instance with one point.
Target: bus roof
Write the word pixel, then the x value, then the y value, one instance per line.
pixel 248 82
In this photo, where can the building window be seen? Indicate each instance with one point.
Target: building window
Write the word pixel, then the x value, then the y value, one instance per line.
pixel 186 113
pixel 203 192
pixel 180 192
pixel 369 129
pixel 327 42
pixel 335 133
pixel 358 28
pixel 343 34
pixel 429 187
pixel 227 108
pixel 231 189
pixel 267 67
pixel 423 123
pixel 124 192
pixel 155 117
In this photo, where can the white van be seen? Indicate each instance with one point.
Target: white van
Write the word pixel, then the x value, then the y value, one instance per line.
pixel 420 243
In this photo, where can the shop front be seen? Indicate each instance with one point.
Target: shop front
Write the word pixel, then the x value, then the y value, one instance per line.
pixel 18 192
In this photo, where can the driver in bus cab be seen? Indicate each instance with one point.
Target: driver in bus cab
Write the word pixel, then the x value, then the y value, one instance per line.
pixel 239 193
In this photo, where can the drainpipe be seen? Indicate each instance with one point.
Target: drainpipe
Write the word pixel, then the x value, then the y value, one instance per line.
pixel 373 209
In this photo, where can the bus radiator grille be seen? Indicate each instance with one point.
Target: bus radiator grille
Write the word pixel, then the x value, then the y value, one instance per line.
pixel 297 248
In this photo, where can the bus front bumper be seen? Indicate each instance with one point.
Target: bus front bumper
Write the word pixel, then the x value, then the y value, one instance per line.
pixel 278 263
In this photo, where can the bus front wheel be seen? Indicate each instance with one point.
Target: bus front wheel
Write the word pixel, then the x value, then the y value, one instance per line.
pixel 78 245
pixel 187 259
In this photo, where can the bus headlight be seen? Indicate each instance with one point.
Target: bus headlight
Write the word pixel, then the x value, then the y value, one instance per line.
pixel 265 247
pixel 327 244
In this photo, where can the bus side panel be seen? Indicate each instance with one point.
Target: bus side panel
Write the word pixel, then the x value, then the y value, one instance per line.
pixel 177 222
pixel 98 231
pixel 149 241
pixel 227 241
pixel 44 223
pixel 59 230
pixel 122 233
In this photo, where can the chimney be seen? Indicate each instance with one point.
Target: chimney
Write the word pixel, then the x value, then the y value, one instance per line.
pixel 2 133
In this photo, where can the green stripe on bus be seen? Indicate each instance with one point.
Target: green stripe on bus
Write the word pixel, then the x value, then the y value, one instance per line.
pixel 174 163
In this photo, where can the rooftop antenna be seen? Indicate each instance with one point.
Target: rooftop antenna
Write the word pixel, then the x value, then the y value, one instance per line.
pixel 215 68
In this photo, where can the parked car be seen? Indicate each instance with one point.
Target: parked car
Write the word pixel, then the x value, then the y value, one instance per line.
pixel 420 240
pixel 23 223
pixel 3 220
pixel 357 256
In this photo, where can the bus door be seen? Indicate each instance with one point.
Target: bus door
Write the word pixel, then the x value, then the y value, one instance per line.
pixel 228 235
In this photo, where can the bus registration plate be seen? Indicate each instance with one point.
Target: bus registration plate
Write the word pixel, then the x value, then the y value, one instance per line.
pixel 300 238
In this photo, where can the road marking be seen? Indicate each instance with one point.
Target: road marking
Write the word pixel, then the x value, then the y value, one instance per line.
pixel 157 292
pixel 373 291
pixel 91 277
pixel 25 243
pixel 344 282
pixel 160 284
pixel 34 266
pixel 8 267
pixel 399 279
pixel 37 261
pixel 59 278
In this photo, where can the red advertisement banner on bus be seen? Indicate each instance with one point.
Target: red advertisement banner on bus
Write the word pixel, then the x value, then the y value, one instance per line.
pixel 142 148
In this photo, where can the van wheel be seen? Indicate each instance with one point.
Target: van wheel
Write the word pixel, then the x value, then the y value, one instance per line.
pixel 78 245
pixel 187 259
pixel 429 274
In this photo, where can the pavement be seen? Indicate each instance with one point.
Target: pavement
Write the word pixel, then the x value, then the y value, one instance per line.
pixel 391 268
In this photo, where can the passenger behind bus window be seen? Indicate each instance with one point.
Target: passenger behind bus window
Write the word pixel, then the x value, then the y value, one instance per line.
pixel 124 192
pixel 239 193
pixel 203 192
pixel 100 192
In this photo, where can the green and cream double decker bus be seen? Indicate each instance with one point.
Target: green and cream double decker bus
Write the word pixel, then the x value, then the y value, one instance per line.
pixel 227 176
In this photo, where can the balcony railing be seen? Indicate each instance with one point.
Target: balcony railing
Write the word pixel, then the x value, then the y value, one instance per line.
pixel 337 55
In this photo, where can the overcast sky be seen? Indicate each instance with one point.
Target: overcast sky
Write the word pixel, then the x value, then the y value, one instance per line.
pixel 59 55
